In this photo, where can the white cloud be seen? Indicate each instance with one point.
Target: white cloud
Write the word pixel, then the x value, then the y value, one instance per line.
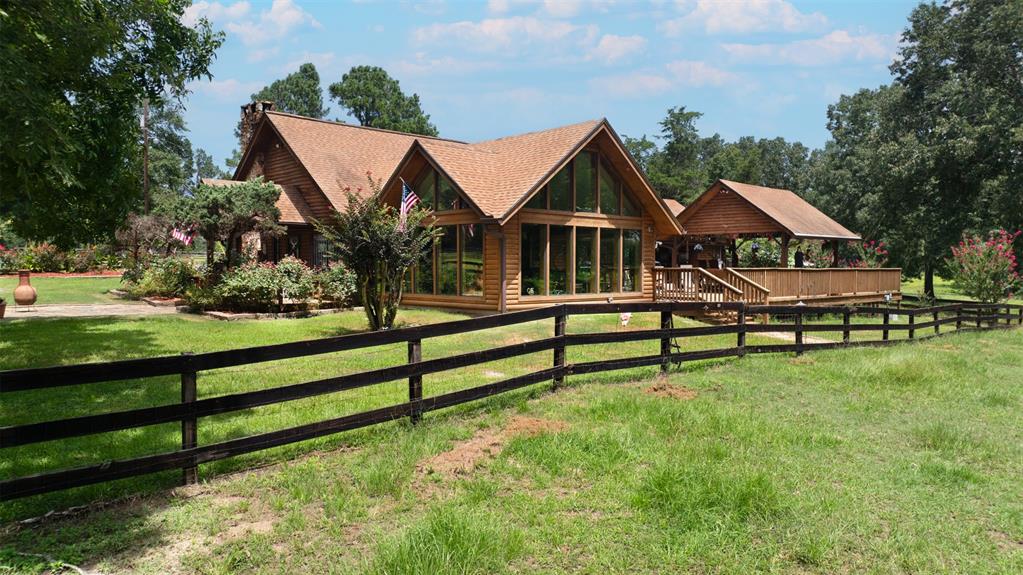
pixel 732 16
pixel 835 47
pixel 677 74
pixel 695 73
pixel 637 84
pixel 319 59
pixel 423 65
pixel 281 19
pixel 430 7
pixel 214 11
pixel 562 8
pixel 229 90
pixel 612 48
pixel 499 34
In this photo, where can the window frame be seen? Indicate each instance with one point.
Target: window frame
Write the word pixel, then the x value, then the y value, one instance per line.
pixel 572 266
pixel 413 272
pixel 600 162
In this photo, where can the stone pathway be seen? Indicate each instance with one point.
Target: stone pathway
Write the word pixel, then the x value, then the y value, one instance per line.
pixel 85 310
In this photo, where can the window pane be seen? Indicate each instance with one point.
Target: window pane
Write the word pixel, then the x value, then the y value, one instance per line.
pixel 447 281
pixel 585 257
pixel 424 189
pixel 585 183
pixel 608 260
pixel 472 259
pixel 561 190
pixel 629 205
pixel 538 201
pixel 424 271
pixel 631 257
pixel 560 259
pixel 447 197
pixel 608 192
pixel 534 243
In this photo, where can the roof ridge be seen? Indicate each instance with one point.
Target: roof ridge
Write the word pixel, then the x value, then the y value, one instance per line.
pixel 371 128
pixel 513 136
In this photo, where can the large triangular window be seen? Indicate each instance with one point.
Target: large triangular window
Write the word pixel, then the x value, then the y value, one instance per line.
pixel 588 183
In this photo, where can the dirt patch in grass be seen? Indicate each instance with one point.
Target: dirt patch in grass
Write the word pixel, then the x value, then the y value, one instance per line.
pixel 464 457
pixel 664 389
pixel 1005 542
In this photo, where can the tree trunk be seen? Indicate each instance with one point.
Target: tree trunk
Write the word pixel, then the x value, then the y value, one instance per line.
pixel 929 279
pixel 209 252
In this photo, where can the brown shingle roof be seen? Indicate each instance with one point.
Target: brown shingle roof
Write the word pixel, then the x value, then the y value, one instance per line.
pixel 293 207
pixel 675 206
pixel 337 155
pixel 495 175
pixel 791 212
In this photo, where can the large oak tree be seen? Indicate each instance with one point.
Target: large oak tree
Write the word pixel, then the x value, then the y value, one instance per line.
pixel 74 75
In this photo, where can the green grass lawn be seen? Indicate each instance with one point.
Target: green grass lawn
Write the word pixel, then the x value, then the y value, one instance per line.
pixel 65 290
pixel 901 459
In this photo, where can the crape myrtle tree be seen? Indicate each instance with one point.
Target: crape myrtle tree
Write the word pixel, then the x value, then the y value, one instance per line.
pixel 369 239
pixel 225 213
pixel 375 99
pixel 73 76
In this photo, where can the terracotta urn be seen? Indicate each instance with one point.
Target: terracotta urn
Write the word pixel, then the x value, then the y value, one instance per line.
pixel 24 294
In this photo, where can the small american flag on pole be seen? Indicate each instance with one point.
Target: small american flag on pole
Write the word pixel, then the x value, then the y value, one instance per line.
pixel 409 199
pixel 183 236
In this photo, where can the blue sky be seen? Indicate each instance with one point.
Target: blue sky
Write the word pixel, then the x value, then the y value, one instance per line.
pixel 764 68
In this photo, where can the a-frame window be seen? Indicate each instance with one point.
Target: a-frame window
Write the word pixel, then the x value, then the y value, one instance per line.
pixel 436 192
pixel 587 183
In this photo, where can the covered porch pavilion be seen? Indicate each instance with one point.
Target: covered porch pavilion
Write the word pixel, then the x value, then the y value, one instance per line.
pixel 702 264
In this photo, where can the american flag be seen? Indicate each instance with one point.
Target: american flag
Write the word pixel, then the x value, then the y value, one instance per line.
pixel 409 199
pixel 183 236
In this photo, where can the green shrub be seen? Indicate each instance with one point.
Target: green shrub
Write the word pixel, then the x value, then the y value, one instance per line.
pixel 204 297
pixel 296 279
pixel 168 277
pixel 85 259
pixel 252 287
pixel 44 257
pixel 336 283
pixel 8 260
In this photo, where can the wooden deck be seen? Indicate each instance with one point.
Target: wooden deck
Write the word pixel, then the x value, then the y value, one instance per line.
pixel 778 285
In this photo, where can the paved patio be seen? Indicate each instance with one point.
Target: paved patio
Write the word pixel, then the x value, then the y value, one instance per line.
pixel 85 310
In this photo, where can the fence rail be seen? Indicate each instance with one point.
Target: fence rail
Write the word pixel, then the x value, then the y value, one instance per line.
pixel 191 409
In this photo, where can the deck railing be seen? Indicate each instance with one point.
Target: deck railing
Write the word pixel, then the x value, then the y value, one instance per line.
pixel 823 283
pixel 752 292
pixel 693 284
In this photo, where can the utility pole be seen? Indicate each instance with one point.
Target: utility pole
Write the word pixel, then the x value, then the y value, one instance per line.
pixel 145 156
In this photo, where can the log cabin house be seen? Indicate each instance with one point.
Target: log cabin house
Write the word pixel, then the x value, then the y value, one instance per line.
pixel 560 215
pixel 556 216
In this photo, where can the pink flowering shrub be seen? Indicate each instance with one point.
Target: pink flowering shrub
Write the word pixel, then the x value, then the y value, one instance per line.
pixel 870 254
pixel 986 269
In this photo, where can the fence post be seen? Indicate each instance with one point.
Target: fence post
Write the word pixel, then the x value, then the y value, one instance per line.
pixel 845 325
pixel 1008 315
pixel 912 320
pixel 665 341
pixel 976 312
pixel 799 332
pixel 415 382
pixel 886 321
pixel 740 343
pixel 189 425
pixel 1021 315
pixel 937 327
pixel 959 316
pixel 560 319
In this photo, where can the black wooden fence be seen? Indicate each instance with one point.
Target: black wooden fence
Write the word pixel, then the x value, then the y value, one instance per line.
pixel 191 408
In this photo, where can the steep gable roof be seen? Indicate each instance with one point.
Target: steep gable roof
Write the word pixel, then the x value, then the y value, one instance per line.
pixel 791 212
pixel 496 176
pixel 339 155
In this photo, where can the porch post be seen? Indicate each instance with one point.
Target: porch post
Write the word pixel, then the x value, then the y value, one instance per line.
pixel 784 263
pixel 735 254
pixel 674 251
pixel 834 254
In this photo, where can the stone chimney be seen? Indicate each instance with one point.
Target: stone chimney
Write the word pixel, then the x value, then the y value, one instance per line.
pixel 252 113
